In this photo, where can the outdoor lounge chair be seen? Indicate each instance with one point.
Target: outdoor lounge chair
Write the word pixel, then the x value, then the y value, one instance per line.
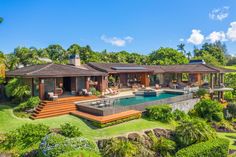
pixel 157 86
pixel 113 92
pixel 86 93
pixel 52 96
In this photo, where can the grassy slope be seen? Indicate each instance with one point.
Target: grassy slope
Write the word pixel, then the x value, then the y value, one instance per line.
pixel 231 67
pixel 9 122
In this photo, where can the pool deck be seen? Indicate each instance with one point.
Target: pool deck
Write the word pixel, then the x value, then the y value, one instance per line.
pixel 107 119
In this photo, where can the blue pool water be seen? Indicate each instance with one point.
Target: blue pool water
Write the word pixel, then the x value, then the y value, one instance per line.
pixel 141 99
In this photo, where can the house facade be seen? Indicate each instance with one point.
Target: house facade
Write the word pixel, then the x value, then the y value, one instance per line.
pixel 68 79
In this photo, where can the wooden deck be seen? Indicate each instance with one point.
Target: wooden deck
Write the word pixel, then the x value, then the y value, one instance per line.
pixel 106 119
pixel 59 107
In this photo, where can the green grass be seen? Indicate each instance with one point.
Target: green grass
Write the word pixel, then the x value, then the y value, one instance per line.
pixel 233 67
pixel 229 136
pixel 8 122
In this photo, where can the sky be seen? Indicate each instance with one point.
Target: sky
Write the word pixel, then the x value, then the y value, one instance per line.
pixel 133 25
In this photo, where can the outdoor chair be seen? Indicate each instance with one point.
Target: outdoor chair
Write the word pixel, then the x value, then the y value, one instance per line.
pixel 113 92
pixel 52 96
pixel 157 86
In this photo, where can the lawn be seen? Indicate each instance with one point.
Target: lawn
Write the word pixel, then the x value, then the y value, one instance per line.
pixel 9 122
pixel 231 137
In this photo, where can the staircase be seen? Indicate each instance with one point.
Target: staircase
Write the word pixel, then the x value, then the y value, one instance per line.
pixel 56 108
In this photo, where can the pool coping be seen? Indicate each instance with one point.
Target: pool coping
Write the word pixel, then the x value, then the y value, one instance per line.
pixel 85 107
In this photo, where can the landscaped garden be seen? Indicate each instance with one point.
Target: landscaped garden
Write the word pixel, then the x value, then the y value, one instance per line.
pixel 161 132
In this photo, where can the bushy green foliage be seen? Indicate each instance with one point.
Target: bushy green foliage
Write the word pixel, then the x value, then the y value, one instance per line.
pixel 193 131
pixel 231 108
pixel 25 136
pixel 228 95
pixel 167 56
pixel 55 144
pixel 31 103
pixel 179 115
pixel 94 91
pixel 201 92
pixel 80 153
pixel 162 113
pixel 69 130
pixel 162 146
pixel 212 148
pixel 209 109
pixel 119 148
pixel 230 81
pixel 17 89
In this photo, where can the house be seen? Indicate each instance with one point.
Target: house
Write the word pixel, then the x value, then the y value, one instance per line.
pixel 69 79
pixel 61 79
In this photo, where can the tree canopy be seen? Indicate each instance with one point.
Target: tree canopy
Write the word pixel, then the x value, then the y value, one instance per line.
pixel 167 56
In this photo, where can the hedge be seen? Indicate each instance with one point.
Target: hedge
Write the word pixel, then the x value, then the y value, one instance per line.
pixel 161 112
pixel 213 148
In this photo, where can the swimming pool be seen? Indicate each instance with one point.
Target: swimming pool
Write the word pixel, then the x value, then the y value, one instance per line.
pixel 142 99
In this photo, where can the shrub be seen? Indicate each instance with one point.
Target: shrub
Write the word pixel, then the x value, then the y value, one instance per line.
pixel 201 92
pixel 231 108
pixel 17 89
pixel 179 115
pixel 69 130
pixel 193 131
pixel 163 146
pixel 56 144
pixel 160 112
pixel 119 148
pixel 80 153
pixel 25 136
pixel 31 103
pixel 212 148
pixel 209 109
pixel 94 91
pixel 228 95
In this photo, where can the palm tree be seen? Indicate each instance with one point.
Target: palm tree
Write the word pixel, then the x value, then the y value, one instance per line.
pixel 193 131
pixel 1 19
pixel 181 48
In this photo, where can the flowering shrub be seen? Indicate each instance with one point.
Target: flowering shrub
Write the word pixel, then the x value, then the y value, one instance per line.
pixel 55 144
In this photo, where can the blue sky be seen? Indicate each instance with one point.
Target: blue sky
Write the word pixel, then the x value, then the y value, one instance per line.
pixel 132 25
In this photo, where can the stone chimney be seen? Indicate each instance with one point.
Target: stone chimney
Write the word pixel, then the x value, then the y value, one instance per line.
pixel 75 60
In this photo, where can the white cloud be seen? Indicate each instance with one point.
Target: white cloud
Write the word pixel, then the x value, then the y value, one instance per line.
pixel 117 41
pixel 231 33
pixel 129 39
pixel 196 37
pixel 181 40
pixel 216 36
pixel 219 14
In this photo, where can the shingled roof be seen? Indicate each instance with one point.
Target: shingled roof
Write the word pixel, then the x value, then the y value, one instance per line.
pixel 54 70
pixel 188 68
pixel 119 67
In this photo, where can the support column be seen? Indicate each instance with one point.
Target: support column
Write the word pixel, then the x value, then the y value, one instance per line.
pixel 41 89
pixel 32 87
pixel 87 82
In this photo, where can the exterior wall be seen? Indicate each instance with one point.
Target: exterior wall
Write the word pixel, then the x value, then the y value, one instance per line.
pixel 73 84
pixel 145 80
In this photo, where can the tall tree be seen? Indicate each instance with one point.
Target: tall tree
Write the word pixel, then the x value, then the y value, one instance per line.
pixel 216 50
pixel 167 56
pixel 57 53
pixel 74 49
pixel 1 19
pixel 181 48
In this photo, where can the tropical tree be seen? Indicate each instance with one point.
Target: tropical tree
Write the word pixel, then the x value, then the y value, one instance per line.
pixel 57 53
pixel 167 56
pixel 18 89
pixel 120 148
pixel 193 131
pixel 1 19
pixel 11 61
pixel 181 48
pixel 216 50
pixel 74 49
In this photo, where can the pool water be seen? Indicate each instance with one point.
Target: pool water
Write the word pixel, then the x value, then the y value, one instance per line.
pixel 142 99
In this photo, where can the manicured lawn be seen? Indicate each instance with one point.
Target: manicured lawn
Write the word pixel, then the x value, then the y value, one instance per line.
pixel 9 122
pixel 231 67
pixel 231 137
